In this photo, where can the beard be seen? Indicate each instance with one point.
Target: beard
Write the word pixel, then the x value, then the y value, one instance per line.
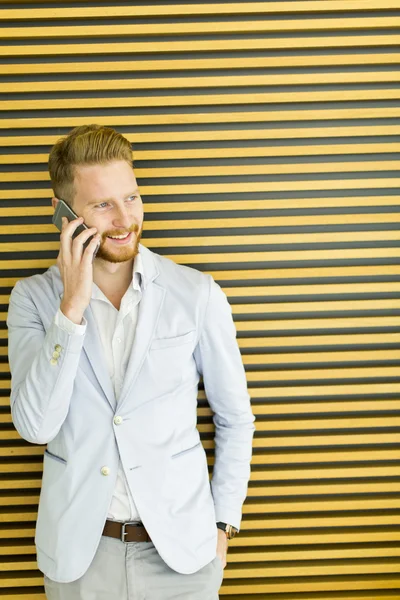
pixel 123 253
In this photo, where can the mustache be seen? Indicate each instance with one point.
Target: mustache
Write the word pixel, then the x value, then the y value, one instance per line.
pixel 134 229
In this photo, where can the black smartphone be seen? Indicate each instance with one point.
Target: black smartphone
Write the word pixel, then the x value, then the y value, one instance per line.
pixel 64 210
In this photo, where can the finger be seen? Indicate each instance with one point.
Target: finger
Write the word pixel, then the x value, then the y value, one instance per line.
pixel 89 251
pixel 70 226
pixel 66 235
pixel 64 222
pixel 78 242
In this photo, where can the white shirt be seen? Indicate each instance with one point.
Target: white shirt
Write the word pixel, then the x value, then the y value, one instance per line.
pixel 117 331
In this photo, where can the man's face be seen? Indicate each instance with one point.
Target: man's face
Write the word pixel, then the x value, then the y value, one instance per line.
pixel 107 197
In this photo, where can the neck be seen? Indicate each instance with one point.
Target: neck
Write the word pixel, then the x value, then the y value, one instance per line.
pixel 114 275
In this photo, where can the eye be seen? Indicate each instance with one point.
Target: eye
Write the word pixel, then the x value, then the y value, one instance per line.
pixel 132 198
pixel 102 205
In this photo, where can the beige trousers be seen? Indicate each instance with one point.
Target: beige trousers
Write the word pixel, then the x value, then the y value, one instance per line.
pixel 135 571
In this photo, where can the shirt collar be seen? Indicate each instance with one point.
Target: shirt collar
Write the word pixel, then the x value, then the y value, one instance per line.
pixel 137 279
pixel 138 272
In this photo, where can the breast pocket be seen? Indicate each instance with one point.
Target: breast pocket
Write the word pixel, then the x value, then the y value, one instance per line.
pixel 172 342
pixel 167 360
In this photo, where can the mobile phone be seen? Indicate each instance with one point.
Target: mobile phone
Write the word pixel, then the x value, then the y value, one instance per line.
pixel 64 210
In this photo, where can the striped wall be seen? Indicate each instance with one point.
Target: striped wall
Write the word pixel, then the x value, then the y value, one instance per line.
pixel 266 146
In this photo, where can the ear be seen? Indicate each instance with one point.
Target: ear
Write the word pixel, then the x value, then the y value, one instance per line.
pixel 54 202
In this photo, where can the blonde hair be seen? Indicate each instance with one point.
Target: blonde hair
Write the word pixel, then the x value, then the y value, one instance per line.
pixel 84 145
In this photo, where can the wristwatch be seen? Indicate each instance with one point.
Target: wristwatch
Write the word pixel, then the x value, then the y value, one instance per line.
pixel 229 529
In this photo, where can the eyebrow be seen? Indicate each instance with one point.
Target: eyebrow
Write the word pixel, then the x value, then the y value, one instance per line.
pixel 110 199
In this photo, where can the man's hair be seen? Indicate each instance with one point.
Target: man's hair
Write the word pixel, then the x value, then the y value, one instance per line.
pixel 84 145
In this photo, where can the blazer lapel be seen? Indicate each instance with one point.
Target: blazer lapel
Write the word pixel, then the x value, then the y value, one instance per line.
pixel 92 347
pixel 149 312
pixel 94 352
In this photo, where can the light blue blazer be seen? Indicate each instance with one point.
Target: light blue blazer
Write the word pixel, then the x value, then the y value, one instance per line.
pixel 66 400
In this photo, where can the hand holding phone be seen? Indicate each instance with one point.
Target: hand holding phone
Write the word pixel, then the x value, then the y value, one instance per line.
pixel 75 262
pixel 64 210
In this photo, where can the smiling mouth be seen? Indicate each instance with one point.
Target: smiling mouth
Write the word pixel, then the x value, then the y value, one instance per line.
pixel 118 237
pixel 121 240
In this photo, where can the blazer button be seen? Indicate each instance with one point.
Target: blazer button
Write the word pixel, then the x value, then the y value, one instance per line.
pixel 105 470
pixel 118 420
pixel 56 354
pixel 53 361
pixel 57 348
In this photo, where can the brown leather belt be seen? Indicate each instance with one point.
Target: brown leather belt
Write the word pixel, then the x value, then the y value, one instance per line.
pixel 126 532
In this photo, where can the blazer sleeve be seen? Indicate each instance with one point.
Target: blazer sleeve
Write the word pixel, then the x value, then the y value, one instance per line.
pixel 43 368
pixel 219 361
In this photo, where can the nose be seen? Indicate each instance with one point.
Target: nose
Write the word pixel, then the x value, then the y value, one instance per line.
pixel 122 219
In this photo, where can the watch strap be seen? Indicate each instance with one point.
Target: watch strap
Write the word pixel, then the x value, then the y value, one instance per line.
pixel 228 529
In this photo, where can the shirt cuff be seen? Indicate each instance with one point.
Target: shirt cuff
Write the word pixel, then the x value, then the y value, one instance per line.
pixel 226 515
pixel 66 325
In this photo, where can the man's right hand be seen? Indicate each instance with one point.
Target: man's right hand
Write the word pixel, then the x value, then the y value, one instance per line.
pixel 76 268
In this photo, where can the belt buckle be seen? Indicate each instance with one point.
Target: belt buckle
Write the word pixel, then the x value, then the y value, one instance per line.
pixel 123 532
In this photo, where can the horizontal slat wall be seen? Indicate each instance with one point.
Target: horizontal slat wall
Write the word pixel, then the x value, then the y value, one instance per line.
pixel 266 145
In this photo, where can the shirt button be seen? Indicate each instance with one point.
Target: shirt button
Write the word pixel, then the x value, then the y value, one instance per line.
pixel 56 354
pixel 118 340
pixel 57 348
pixel 105 470
pixel 53 361
pixel 118 420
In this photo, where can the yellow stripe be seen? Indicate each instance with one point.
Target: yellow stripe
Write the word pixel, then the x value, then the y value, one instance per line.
pixel 205 100
pixel 248 573
pixel 251 187
pixel 285 151
pixel 298 290
pixel 319 340
pixel 327 472
pixel 305 440
pixel 234 171
pixel 314 306
pixel 244 257
pixel 311 374
pixel 206 82
pixel 321 457
pixel 315 536
pixel 250 8
pixel 321 357
pixel 205 63
pixel 319 272
pixel 227 135
pixel 287 586
pixel 320 487
pixel 206 241
pixel 297 273
pixel 209 27
pixel 310 554
pixel 26 264
pixel 314 324
pixel 228 205
pixel 324 390
pixel 238 221
pixel 158 46
pixel 213 189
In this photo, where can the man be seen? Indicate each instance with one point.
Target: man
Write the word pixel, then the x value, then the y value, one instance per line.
pixel 106 355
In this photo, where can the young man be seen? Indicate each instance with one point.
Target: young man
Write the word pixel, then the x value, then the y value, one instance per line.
pixel 106 356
